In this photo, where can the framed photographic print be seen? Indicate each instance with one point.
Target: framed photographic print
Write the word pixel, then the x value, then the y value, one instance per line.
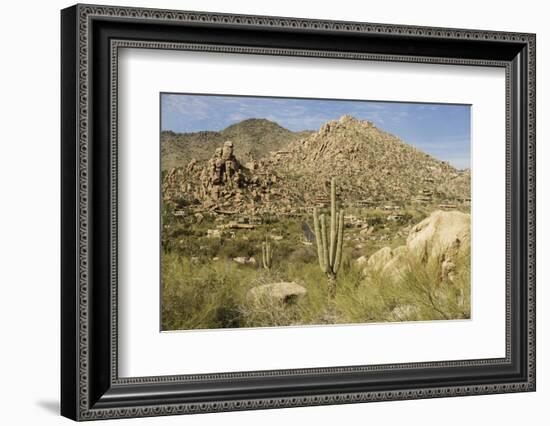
pixel 263 212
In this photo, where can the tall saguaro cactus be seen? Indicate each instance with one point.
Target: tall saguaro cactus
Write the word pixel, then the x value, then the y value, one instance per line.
pixel 267 254
pixel 329 242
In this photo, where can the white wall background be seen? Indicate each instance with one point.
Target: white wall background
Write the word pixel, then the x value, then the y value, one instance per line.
pixel 29 213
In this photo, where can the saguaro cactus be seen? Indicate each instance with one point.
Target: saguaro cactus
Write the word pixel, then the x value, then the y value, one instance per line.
pixel 267 254
pixel 329 244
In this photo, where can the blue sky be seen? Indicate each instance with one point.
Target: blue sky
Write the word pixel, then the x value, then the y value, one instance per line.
pixel 442 130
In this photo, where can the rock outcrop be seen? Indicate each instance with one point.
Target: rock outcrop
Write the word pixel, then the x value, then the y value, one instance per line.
pixel 443 234
pixel 254 138
pixel 374 168
pixel 222 176
pixel 223 185
pixel 441 238
pixel 283 292
pixel 380 258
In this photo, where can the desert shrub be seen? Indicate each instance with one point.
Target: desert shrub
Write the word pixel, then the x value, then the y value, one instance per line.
pixel 309 275
pixel 416 293
pixel 179 231
pixel 437 298
pixel 355 300
pixel 363 303
pixel 187 246
pixel 269 219
pixel 375 216
pixel 234 247
pixel 196 295
pixel 269 312
pixel 416 215
pixel 303 254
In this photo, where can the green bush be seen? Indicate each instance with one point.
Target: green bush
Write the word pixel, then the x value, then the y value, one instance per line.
pixel 417 293
pixel 198 295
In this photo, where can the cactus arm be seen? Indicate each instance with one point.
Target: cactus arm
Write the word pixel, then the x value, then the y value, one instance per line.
pixel 333 222
pixel 267 254
pixel 318 239
pixel 340 242
pixel 326 261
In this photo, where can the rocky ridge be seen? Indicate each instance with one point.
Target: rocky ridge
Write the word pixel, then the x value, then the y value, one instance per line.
pixel 371 165
pixel 254 138
pixel 373 168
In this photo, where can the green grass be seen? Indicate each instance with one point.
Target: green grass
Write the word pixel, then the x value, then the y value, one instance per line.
pixel 417 293
pixel 199 292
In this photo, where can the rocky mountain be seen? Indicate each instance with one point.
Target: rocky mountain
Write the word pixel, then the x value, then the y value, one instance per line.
pixel 373 168
pixel 254 138
pixel 370 164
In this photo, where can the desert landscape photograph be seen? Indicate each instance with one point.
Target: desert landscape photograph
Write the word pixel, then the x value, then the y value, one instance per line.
pixel 308 212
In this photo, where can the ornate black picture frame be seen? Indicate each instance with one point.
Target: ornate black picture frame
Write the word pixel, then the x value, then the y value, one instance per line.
pixel 91 36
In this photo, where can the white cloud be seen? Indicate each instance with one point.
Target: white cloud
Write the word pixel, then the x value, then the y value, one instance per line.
pixel 193 106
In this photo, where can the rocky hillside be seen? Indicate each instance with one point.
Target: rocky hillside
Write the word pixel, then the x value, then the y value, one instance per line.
pixel 373 169
pixel 370 164
pixel 253 138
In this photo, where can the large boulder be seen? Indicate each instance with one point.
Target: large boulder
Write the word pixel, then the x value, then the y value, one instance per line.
pixel 362 261
pixel 379 259
pixel 387 261
pixel 283 292
pixel 397 265
pixel 441 237
pixel 443 234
